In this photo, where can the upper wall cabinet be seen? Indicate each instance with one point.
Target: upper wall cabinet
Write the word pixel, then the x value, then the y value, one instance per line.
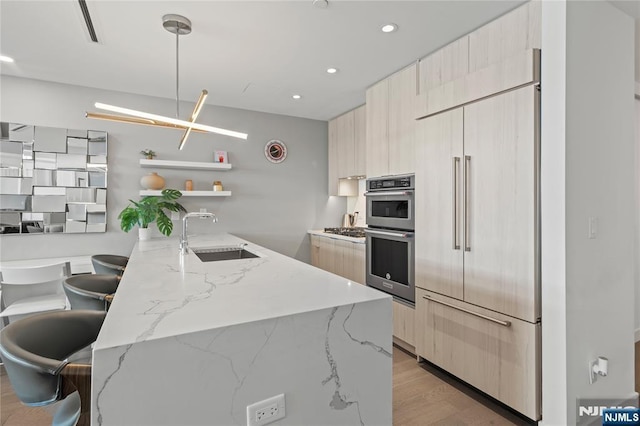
pixel 499 56
pixel 390 124
pixel 346 147
pixel 447 64
pixel 402 126
pixel 378 129
pixel 513 33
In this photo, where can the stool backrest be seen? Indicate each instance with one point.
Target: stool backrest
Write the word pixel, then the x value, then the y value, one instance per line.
pixel 35 349
pixel 20 283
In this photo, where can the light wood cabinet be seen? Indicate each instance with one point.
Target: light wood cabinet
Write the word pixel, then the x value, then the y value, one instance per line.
pixel 512 33
pixel 501 150
pixel 346 147
pixel 438 204
pixel 332 158
pixel 493 352
pixel 402 125
pixel 447 64
pixel 341 257
pixel 391 125
pixel 378 129
pixel 404 324
pixel 360 141
pixel 480 243
pixel 345 144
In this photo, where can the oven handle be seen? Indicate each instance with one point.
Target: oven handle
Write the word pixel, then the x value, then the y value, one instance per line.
pixel 384 193
pixel 404 235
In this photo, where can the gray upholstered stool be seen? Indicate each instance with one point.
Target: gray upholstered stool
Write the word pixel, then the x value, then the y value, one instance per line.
pixel 93 292
pixel 109 264
pixel 36 351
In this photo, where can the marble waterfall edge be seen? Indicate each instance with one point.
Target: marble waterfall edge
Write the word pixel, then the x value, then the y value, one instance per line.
pixel 333 365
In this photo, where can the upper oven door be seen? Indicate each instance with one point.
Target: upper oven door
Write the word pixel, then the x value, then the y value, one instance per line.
pixel 391 209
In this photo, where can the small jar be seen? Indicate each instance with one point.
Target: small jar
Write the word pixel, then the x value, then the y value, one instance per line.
pixel 188 185
pixel 217 185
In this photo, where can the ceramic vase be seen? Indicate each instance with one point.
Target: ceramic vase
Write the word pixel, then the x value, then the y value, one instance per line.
pixel 144 234
pixel 152 181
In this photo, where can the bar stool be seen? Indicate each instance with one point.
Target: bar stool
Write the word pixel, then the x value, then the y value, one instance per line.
pixel 36 352
pixel 93 292
pixel 109 264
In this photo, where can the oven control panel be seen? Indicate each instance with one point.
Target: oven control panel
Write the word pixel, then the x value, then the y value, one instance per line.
pixel 399 182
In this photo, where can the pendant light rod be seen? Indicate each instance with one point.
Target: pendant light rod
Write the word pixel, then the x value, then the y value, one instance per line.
pixel 178 25
pixel 177 76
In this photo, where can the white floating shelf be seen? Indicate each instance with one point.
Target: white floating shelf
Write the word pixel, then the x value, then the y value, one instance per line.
pixel 190 193
pixel 192 165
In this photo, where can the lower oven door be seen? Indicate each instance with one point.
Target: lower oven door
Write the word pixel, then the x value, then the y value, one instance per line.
pixel 391 262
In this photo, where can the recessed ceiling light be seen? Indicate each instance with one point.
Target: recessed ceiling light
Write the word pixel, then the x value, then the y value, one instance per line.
pixel 332 70
pixel 296 97
pixel 5 58
pixel 321 4
pixel 389 28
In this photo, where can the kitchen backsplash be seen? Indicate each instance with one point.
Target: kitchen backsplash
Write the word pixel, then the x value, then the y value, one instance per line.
pixel 358 204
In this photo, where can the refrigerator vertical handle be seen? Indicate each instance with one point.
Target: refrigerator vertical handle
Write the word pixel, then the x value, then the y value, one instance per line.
pixel 455 172
pixel 467 202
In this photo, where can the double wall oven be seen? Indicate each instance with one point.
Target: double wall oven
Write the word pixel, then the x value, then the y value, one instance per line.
pixel 390 236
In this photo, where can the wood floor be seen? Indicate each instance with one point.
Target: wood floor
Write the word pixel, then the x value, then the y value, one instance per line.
pixel 422 395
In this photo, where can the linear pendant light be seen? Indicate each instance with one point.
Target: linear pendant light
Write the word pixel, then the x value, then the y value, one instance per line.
pixel 178 25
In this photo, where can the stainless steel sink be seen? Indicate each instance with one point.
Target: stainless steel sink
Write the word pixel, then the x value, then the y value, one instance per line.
pixel 214 254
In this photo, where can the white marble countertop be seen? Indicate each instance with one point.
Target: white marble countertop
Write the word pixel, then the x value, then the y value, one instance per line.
pixel 164 294
pixel 321 233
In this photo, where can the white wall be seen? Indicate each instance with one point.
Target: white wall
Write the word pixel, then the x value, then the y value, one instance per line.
pixel 553 206
pixel 272 205
pixel 596 77
pixel 637 181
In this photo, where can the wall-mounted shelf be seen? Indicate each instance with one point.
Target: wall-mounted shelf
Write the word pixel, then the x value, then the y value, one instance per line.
pixel 192 165
pixel 190 193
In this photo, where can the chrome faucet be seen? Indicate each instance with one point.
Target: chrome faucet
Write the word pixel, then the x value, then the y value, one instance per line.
pixel 184 243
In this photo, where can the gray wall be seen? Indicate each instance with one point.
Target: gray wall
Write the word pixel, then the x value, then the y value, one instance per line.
pixel 588 170
pixel 272 204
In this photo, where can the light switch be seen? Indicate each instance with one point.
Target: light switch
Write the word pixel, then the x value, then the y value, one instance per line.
pixel 593 228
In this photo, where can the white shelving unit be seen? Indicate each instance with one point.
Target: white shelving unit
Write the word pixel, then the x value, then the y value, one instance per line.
pixel 190 193
pixel 191 165
pixel 186 165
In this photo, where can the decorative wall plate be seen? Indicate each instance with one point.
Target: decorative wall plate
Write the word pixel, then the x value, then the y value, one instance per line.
pixel 275 151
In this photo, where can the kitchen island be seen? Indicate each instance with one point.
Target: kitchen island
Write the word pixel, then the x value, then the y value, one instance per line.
pixel 188 342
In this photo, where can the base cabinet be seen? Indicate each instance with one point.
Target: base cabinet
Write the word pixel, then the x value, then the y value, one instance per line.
pixel 493 352
pixel 404 325
pixel 340 257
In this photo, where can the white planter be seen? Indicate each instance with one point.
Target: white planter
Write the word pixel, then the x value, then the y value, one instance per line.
pixel 144 234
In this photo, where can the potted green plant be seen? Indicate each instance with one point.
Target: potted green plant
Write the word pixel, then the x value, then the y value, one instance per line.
pixel 151 209
pixel 148 153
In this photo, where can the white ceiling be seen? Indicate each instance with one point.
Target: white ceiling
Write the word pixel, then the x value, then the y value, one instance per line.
pixel 248 54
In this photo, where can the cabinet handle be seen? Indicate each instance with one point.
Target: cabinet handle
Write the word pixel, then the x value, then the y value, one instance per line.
pixel 497 321
pixel 454 178
pixel 467 202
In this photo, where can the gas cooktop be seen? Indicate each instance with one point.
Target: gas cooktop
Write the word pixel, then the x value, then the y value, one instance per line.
pixel 348 232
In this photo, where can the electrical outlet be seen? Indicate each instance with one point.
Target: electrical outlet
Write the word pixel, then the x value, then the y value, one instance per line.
pixel 266 411
pixel 203 209
pixel 175 215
